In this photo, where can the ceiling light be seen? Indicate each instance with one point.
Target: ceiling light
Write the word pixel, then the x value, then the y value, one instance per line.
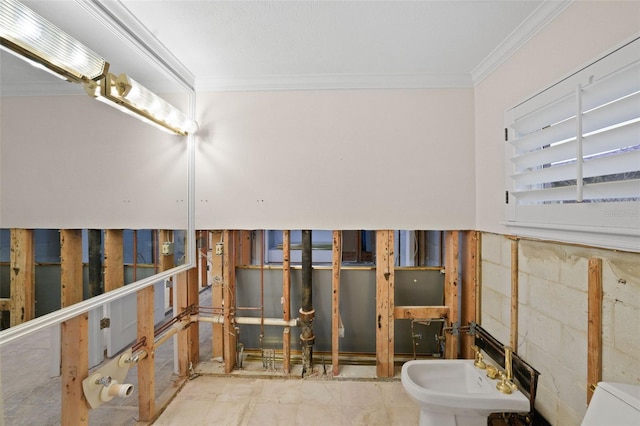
pixel 33 38
pixel 129 96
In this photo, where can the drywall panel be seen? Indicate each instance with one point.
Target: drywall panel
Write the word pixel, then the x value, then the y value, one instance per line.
pixel 583 31
pixel 344 159
pixel 72 162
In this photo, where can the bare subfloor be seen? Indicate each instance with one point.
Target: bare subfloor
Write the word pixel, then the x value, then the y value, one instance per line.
pixel 252 395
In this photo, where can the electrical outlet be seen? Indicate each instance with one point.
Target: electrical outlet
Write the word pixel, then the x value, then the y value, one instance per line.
pixel 167 248
pixel 219 249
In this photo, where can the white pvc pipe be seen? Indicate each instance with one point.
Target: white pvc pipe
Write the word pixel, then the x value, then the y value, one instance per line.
pixel 219 319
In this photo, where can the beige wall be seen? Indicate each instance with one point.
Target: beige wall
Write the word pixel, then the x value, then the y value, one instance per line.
pixel 72 162
pixel 552 304
pixel 580 34
pixel 552 316
pixel 343 159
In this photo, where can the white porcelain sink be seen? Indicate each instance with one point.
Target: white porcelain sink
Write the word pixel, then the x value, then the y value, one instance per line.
pixel 455 392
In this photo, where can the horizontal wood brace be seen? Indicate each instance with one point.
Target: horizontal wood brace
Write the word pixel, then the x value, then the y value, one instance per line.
pixel 420 312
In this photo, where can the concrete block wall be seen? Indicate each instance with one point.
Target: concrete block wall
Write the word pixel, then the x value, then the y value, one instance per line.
pixel 552 316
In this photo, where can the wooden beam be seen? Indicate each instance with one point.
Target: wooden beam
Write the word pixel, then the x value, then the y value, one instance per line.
pixel 229 295
pixel 146 367
pixel 22 277
pixel 70 266
pixel 385 259
pixel 95 262
pixel 193 294
pixel 451 291
pixel 203 254
pixel 286 300
pixel 74 369
pixel 216 295
pixel 420 312
pixel 594 329
pixel 335 303
pixel 165 261
pixel 514 295
pixel 470 278
pixel 182 302
pixel 243 247
pixel 5 304
pixel 113 259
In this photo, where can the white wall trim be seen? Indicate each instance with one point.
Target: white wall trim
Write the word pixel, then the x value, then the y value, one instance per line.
pixel 540 17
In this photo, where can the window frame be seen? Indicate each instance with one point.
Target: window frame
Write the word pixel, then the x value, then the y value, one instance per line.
pixel 607 224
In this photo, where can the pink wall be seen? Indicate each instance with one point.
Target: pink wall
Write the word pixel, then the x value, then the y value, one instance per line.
pixel 346 159
pixel 580 34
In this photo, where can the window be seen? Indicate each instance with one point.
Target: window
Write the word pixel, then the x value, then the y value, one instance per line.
pixel 573 152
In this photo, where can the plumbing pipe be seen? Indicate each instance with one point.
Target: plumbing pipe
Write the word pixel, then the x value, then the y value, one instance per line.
pixel 115 390
pixel 219 319
pixel 173 330
pixel 306 311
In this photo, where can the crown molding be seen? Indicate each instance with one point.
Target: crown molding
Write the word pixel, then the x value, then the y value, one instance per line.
pixel 538 19
pixel 334 82
pixel 116 17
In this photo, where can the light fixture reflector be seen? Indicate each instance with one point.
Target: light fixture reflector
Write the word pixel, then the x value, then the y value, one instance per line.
pixel 28 34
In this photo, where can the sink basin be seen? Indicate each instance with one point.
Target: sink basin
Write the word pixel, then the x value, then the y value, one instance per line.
pixel 455 392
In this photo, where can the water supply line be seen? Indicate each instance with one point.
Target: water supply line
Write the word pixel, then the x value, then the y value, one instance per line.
pixel 306 311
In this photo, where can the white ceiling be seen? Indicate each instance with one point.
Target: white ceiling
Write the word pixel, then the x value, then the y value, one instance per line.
pixel 245 45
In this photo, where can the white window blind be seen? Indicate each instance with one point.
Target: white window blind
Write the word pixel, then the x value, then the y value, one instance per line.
pixel 573 151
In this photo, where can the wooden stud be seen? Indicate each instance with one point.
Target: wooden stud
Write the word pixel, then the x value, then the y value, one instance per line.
pixel 22 277
pixel 286 299
pixel 74 369
pixel 165 261
pixel 229 269
pixel 113 259
pixel 335 303
pixel 594 329
pixel 146 367
pixel 203 254
pixel 385 259
pixel 514 294
pixel 5 304
pixel 216 294
pixel 183 336
pixel 70 266
pixel 451 291
pixel 95 262
pixel 243 247
pixel 420 312
pixel 470 277
pixel 193 294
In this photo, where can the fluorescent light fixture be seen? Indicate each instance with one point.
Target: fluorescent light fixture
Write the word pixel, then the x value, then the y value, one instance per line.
pixel 134 99
pixel 33 38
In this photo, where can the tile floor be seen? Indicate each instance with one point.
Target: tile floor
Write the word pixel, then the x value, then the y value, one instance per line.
pixel 220 400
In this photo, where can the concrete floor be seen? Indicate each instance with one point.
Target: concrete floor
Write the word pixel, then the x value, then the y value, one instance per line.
pixel 241 400
pixel 252 395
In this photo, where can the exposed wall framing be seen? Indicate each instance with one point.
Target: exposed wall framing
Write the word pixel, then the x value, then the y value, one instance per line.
pixel 229 283
pixel 113 259
pixel 385 270
pixel 22 281
pixel 335 301
pixel 594 328
pixel 70 266
pixel 286 300
pixel 451 291
pixel 470 288
pixel 146 367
